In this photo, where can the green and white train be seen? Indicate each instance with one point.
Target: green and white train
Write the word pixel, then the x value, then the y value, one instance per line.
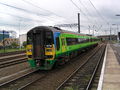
pixel 48 46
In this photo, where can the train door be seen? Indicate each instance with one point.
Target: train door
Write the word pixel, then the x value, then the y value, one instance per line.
pixel 38 46
pixel 63 44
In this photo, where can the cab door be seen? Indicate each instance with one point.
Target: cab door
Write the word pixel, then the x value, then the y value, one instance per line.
pixel 63 44
pixel 38 45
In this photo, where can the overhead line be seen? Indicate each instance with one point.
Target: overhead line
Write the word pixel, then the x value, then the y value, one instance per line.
pixel 87 10
pixel 40 7
pixel 20 9
pixel 44 9
pixel 38 14
pixel 80 10
pixel 8 24
pixel 98 11
pixel 21 17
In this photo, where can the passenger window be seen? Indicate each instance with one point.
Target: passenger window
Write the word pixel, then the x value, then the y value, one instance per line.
pixel 57 43
pixel 63 43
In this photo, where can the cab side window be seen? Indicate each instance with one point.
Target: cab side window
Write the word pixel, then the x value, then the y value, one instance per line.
pixel 57 43
pixel 63 41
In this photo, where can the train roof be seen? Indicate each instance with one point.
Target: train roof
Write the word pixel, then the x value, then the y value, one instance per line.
pixel 55 29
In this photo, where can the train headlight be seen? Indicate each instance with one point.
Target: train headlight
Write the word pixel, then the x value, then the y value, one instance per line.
pixel 48 46
pixel 29 50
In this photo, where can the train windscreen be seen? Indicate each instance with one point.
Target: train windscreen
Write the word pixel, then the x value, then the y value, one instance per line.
pixel 29 39
pixel 48 38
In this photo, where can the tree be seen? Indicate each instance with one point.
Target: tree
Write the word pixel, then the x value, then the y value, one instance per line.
pixel 25 43
pixel 14 45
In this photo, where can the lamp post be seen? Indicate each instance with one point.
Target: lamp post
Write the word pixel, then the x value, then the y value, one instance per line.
pixel 96 32
pixel 110 33
pixel 117 15
pixel 109 26
pixel 89 29
pixel 4 40
pixel 106 32
pixel 19 32
pixel 93 29
pixel 117 28
pixel 78 22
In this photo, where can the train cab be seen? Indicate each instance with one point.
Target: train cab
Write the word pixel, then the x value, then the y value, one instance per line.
pixel 40 46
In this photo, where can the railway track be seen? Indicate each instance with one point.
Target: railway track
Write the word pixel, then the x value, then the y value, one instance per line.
pixel 11 53
pixel 26 87
pixel 12 62
pixel 9 60
pixel 25 81
pixel 22 81
pixel 82 78
pixel 28 84
pixel 95 79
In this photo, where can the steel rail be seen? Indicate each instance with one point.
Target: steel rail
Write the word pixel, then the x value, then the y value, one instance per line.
pixel 95 71
pixel 78 68
pixel 23 87
pixel 26 85
pixel 11 53
pixel 10 56
pixel 12 62
pixel 15 79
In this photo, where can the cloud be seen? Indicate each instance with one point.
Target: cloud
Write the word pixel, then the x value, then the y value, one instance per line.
pixel 30 13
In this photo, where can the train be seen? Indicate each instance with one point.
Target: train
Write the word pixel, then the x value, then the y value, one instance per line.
pixel 49 46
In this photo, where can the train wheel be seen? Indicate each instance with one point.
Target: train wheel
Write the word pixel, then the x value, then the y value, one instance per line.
pixel 67 59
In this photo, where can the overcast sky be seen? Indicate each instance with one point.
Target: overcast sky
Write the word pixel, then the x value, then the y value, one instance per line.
pixel 25 14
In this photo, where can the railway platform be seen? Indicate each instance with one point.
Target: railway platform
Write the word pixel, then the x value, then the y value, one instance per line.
pixel 110 73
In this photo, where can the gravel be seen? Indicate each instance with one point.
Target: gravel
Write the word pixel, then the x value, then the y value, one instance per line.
pixel 13 69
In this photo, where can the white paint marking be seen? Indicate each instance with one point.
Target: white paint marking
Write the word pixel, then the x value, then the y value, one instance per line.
pixel 100 84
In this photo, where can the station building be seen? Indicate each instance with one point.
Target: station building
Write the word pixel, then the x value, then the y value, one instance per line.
pixel 22 38
pixel 3 35
pixel 108 37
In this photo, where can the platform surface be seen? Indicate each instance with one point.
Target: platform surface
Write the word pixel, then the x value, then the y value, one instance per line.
pixel 111 77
